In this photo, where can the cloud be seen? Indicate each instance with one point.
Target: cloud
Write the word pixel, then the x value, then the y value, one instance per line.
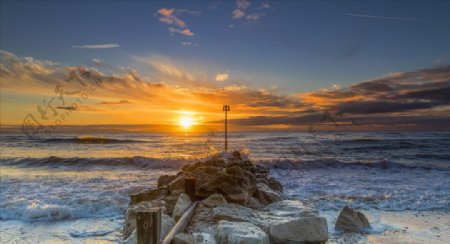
pixel 418 98
pixel 243 6
pixel 264 5
pixel 98 46
pixel 169 17
pixel 70 108
pixel 379 17
pixel 255 16
pixel 393 93
pixel 185 32
pixel 237 13
pixel 222 77
pixel 116 103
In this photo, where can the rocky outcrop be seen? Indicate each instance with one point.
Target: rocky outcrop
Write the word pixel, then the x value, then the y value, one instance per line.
pixel 231 175
pixel 240 232
pixel 350 220
pixel 239 203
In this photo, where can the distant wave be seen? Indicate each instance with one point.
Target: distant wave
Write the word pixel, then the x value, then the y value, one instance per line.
pixel 174 164
pixel 91 140
pixel 133 162
pixel 333 163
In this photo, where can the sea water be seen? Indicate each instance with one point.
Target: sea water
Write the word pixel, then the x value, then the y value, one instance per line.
pixel 75 188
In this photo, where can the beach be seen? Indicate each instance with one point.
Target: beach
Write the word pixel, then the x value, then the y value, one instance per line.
pixel 76 189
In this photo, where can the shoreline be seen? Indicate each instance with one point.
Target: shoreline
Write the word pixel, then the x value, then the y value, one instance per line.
pixel 420 229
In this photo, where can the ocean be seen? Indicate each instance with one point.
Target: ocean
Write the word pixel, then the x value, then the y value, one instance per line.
pixel 75 188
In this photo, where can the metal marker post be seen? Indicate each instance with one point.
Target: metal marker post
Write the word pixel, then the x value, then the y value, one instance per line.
pixel 226 108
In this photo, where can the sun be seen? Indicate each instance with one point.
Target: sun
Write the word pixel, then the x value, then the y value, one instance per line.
pixel 186 122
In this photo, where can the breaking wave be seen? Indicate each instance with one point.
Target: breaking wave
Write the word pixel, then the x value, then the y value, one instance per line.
pixel 139 162
pixel 90 140
pixel 136 162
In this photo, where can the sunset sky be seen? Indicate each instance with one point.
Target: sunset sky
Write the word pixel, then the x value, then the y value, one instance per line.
pixel 279 65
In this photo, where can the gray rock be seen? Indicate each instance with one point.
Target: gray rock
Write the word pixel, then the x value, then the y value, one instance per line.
pixel 183 238
pixel 301 230
pixel 240 232
pixel 266 195
pixel 350 220
pixel 167 223
pixel 181 206
pixel 214 200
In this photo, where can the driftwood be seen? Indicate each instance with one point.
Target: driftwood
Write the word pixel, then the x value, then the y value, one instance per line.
pixel 181 224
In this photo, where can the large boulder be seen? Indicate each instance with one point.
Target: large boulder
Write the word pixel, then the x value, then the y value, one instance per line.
pixel 240 232
pixel 181 206
pixel 350 220
pixel 301 230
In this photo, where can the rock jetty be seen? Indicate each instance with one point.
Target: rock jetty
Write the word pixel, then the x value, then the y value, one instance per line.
pixel 238 202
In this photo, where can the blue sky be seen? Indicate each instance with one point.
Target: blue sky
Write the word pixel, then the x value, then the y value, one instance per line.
pixel 294 45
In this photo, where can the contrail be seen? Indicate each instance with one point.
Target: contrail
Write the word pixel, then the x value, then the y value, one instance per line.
pixel 379 17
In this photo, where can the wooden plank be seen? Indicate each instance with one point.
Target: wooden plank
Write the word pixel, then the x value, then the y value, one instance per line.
pixel 148 226
pixel 189 188
pixel 180 226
